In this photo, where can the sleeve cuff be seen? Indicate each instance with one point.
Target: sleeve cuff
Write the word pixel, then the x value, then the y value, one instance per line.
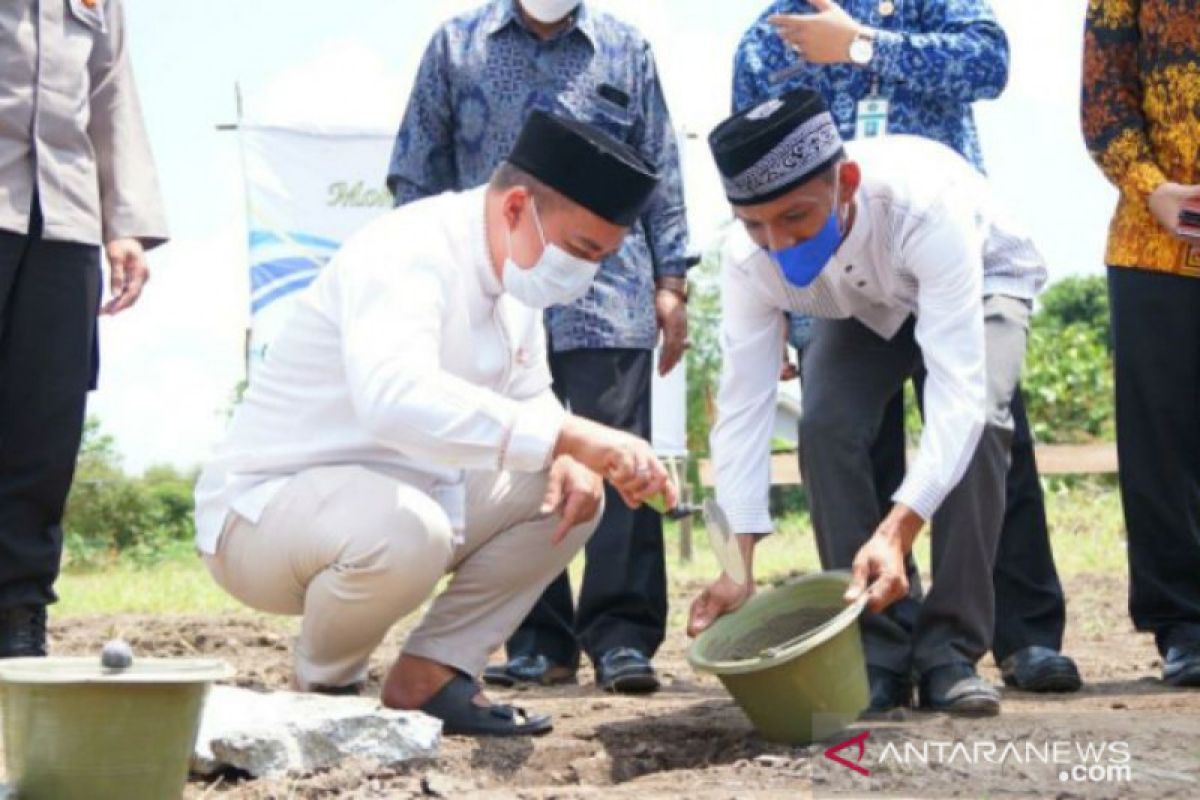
pixel 151 232
pixel 531 439
pixel 748 518
pixel 675 267
pixel 1143 178
pixel 921 494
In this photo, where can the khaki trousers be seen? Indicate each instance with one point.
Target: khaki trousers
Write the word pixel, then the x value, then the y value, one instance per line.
pixel 354 551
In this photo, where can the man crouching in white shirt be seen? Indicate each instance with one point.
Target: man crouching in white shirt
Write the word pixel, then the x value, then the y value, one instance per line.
pixel 403 428
pixel 902 253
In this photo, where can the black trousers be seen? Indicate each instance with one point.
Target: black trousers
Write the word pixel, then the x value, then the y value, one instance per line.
pixel 1030 607
pixel 49 295
pixel 623 599
pixel 1156 343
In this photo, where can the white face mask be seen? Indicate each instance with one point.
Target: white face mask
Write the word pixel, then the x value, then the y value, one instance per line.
pixel 556 279
pixel 548 11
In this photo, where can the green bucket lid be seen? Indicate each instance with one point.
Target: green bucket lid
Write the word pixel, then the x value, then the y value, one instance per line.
pixel 71 670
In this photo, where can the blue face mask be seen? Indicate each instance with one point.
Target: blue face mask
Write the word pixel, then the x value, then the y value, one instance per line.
pixel 802 263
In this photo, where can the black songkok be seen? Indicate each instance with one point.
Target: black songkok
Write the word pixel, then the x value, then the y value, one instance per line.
pixel 585 165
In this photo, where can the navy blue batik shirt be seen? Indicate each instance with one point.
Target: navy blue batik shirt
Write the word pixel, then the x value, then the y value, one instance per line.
pixel 933 59
pixel 482 74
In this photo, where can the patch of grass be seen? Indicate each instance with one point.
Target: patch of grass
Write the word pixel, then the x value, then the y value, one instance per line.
pixel 179 585
pixel 1087 533
pixel 1087 528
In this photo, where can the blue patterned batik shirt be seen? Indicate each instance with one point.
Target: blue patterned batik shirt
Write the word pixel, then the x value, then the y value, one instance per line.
pixel 481 75
pixel 933 59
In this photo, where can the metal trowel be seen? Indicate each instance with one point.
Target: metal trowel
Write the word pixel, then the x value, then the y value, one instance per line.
pixel 723 541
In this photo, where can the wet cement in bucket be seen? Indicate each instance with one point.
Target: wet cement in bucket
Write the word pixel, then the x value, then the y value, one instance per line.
pixel 778 630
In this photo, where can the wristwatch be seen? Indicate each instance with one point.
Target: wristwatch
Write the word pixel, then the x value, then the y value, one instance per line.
pixel 862 49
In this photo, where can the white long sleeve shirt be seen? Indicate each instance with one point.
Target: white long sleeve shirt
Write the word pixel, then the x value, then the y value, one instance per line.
pixel 928 240
pixel 404 357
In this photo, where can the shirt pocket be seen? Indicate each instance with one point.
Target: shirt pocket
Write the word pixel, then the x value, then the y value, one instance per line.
pixel 611 117
pixel 605 105
pixel 89 13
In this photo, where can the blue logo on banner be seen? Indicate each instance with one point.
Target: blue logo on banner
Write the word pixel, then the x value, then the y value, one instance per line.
pixel 283 265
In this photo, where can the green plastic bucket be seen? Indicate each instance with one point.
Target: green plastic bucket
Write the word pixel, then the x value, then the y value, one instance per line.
pixel 73 729
pixel 792 657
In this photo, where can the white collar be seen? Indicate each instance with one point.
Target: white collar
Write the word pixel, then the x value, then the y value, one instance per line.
pixel 854 246
pixel 479 252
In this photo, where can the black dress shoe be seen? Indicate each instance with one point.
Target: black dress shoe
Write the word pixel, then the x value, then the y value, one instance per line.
pixel 537 670
pixel 22 631
pixel 1181 665
pixel 958 689
pixel 627 671
pixel 1040 669
pixel 890 691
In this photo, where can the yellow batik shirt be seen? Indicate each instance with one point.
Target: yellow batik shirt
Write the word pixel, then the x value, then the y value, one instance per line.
pixel 1141 119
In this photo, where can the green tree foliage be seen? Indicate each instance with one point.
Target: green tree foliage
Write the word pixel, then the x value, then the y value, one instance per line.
pixel 1068 366
pixel 1068 370
pixel 1077 301
pixel 704 356
pixel 111 512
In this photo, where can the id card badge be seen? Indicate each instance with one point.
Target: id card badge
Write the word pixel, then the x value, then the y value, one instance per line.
pixel 872 118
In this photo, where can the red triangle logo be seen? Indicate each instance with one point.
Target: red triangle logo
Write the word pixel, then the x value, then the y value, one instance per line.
pixel 861 740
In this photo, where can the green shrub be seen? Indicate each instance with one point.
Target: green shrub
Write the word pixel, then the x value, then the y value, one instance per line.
pixel 1077 301
pixel 1068 384
pixel 1067 380
pixel 1068 368
pixel 111 513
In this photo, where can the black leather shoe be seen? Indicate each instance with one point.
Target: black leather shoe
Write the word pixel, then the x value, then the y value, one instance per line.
pixel 22 631
pixel 958 689
pixel 890 691
pixel 1181 665
pixel 1040 669
pixel 627 671
pixel 537 670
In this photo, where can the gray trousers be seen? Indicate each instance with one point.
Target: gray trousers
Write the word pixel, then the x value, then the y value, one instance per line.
pixel 850 374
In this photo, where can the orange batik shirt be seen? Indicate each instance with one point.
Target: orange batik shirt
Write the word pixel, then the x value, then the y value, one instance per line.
pixel 1141 119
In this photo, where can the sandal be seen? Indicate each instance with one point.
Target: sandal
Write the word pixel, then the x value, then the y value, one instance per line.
pixel 455 706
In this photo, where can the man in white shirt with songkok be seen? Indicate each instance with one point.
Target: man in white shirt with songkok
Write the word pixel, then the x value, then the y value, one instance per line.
pixel 899 248
pixel 402 428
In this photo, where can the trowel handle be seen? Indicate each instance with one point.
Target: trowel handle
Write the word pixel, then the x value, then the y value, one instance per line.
pixel 681 511
pixel 659 502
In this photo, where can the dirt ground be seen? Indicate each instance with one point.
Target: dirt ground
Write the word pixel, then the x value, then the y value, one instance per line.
pixel 689 740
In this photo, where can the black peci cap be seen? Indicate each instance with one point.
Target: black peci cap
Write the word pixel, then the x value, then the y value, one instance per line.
pixel 766 151
pixel 585 165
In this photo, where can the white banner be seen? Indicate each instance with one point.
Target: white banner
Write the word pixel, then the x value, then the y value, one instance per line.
pixel 307 190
